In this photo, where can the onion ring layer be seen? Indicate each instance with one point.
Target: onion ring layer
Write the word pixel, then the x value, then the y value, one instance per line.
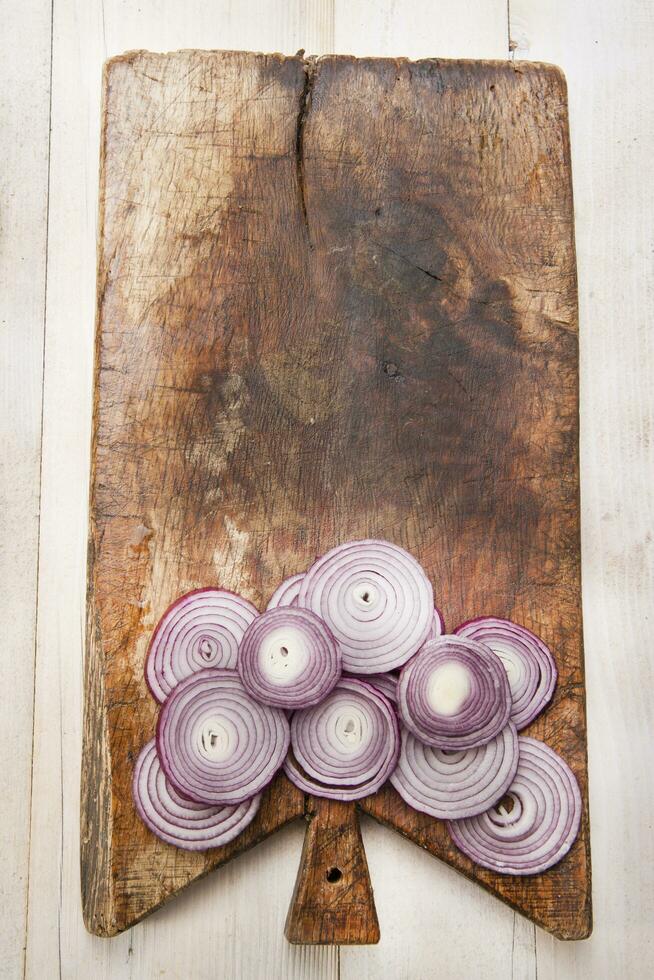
pixel 450 785
pixel 541 824
pixel 215 743
pixel 454 694
pixel 201 629
pixel 377 601
pixel 289 658
pixel 286 594
pixel 528 663
pixel 178 821
pixel 347 746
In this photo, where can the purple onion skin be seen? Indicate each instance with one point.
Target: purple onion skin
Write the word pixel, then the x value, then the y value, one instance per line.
pixel 305 690
pixel 438 628
pixel 290 586
pixel 197 827
pixel 452 785
pixel 336 786
pixel 386 684
pixel 522 713
pixel 169 610
pixel 210 793
pixel 548 787
pixel 376 599
pixel 466 728
pixel 344 794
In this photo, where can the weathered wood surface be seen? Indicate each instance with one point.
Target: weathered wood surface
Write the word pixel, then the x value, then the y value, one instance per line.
pixel 333 900
pixel 24 125
pixel 336 300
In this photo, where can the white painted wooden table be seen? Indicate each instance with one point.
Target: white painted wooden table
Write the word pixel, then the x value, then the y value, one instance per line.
pixel 434 924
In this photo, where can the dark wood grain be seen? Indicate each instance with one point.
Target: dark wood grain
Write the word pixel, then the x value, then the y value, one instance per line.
pixel 333 900
pixel 337 299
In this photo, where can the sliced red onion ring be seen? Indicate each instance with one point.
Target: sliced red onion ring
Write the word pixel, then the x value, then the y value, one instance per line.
pixel 454 694
pixel 286 594
pixel 528 663
pixel 215 743
pixel 377 601
pixel 386 684
pixel 541 824
pixel 437 628
pixel 201 629
pixel 347 746
pixel 289 658
pixel 438 625
pixel 178 821
pixel 449 785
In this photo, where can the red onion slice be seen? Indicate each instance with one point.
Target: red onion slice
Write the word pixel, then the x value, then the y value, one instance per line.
pixel 215 743
pixel 386 684
pixel 529 664
pixel 347 746
pixel 178 821
pixel 377 601
pixel 454 694
pixel 289 658
pixel 438 625
pixel 286 594
pixel 450 785
pixel 541 825
pixel 201 629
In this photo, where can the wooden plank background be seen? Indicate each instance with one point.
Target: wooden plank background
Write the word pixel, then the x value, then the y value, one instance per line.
pixel 434 923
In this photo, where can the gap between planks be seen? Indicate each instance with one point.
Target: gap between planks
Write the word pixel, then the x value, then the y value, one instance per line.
pixel 38 536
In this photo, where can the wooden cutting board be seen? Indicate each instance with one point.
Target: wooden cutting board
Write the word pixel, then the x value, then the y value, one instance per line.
pixel 337 299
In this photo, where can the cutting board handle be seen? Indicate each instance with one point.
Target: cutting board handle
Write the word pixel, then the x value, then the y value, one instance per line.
pixel 332 901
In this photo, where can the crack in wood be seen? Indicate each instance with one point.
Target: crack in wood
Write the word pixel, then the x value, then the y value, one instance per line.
pixel 310 69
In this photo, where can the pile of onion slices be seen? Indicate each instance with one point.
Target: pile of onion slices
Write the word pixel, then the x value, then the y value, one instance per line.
pixel 348 681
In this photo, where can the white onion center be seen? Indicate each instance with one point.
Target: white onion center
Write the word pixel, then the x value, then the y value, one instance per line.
pixel 208 648
pixel 215 740
pixel 283 655
pixel 448 689
pixel 504 817
pixel 349 729
pixel 365 595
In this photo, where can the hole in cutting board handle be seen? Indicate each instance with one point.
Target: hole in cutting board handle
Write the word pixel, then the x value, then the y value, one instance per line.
pixel 332 902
